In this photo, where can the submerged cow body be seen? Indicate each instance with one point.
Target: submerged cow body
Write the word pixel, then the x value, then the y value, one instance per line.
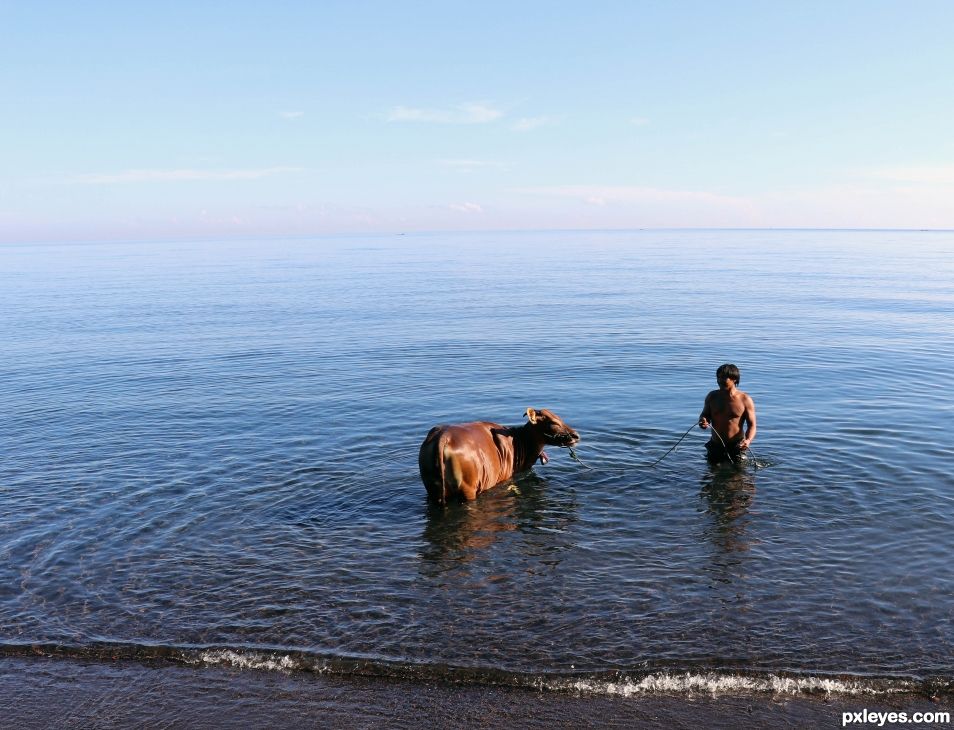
pixel 459 462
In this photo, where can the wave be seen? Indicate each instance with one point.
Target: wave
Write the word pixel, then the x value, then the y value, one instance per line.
pixel 667 680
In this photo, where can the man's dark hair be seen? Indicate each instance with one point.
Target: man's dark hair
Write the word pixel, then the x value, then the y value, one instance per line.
pixel 729 371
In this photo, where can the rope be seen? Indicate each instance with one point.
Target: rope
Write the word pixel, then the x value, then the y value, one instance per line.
pixel 755 462
pixel 725 448
pixel 673 446
pixel 577 459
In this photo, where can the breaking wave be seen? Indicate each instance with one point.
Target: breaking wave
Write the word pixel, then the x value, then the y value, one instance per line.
pixel 663 680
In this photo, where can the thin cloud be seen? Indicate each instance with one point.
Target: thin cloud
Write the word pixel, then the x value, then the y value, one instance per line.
pixel 854 206
pixel 181 175
pixel 291 115
pixel 603 195
pixel 639 121
pixel 470 164
pixel 466 207
pixel 527 124
pixel 471 113
pixel 920 174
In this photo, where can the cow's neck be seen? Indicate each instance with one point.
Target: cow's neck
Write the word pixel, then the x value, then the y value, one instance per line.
pixel 527 447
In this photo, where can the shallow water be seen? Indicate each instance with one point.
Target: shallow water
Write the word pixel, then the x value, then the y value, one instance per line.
pixel 210 452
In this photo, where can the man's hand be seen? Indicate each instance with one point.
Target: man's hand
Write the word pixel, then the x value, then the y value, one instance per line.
pixel 743 444
pixel 703 424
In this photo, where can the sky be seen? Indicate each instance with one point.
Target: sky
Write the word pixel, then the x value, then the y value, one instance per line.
pixel 146 121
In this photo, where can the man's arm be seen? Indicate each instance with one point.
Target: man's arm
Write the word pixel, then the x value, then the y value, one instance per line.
pixel 749 417
pixel 706 414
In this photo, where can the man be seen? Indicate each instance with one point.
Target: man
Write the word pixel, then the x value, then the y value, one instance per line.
pixel 728 410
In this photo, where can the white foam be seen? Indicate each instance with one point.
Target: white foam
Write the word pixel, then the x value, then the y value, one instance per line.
pixel 678 683
pixel 717 684
pixel 250 660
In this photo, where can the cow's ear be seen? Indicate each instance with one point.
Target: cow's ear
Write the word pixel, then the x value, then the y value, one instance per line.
pixel 531 414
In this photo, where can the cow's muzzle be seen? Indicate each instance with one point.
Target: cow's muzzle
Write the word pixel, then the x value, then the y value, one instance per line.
pixel 564 439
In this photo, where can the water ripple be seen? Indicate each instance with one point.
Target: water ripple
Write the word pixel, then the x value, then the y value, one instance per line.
pixel 221 452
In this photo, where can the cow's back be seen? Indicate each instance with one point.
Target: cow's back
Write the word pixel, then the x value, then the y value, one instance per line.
pixel 460 461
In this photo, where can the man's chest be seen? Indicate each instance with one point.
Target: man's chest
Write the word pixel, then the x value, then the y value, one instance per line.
pixel 731 407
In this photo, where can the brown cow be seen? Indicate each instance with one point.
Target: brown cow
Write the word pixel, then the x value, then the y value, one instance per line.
pixel 463 460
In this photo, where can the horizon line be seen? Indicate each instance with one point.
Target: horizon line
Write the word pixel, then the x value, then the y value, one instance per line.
pixel 448 231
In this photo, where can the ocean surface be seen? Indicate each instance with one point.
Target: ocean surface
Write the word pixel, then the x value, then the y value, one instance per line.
pixel 209 457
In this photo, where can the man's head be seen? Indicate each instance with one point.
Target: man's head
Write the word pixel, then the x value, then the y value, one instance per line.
pixel 728 371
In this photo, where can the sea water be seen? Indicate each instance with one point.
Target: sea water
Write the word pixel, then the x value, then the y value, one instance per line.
pixel 209 455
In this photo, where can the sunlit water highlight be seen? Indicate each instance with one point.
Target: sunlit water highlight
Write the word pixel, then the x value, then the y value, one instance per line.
pixel 214 445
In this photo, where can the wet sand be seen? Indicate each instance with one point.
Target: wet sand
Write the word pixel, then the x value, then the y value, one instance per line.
pixel 44 692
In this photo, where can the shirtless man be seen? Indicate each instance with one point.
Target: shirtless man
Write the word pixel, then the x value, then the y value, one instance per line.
pixel 728 410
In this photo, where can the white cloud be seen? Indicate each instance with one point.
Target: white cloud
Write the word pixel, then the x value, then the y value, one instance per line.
pixel 920 174
pixel 860 206
pixel 639 121
pixel 527 124
pixel 468 165
pixel 635 207
pixel 291 115
pixel 603 195
pixel 181 175
pixel 471 113
pixel 466 207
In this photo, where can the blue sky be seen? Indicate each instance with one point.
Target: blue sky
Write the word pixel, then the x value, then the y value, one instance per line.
pixel 168 120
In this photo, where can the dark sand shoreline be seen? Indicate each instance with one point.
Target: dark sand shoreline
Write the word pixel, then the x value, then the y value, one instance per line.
pixel 53 692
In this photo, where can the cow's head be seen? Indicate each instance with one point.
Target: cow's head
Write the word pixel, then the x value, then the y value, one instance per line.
pixel 552 428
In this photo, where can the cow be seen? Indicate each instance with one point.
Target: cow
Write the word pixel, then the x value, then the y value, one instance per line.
pixel 460 461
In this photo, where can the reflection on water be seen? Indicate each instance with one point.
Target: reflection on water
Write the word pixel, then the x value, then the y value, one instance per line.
pixel 460 533
pixel 456 532
pixel 728 490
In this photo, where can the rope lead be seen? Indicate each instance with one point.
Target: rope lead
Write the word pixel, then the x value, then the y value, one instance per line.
pixel 673 446
pixel 577 459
